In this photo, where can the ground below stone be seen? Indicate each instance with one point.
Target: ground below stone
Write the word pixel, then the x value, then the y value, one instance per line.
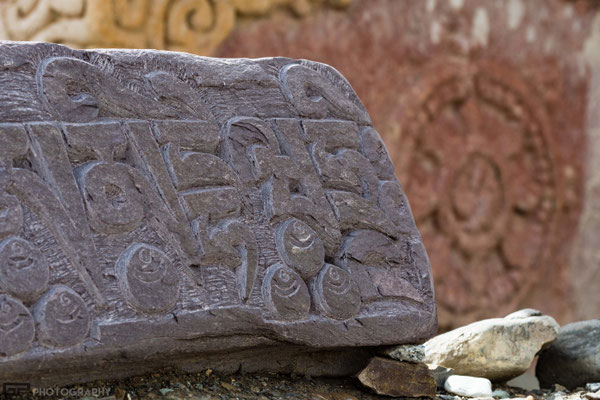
pixel 208 385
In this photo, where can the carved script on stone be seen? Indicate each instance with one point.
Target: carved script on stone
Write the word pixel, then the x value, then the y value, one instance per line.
pixel 147 199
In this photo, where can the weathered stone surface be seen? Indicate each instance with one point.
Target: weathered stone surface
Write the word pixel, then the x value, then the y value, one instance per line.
pixel 468 386
pixel 160 206
pixel 574 358
pixel 407 352
pixel 498 349
pixel 485 106
pixel 398 379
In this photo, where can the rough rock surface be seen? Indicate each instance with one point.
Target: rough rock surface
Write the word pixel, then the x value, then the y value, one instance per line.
pixel 468 386
pixel 406 352
pixel 574 358
pixel 498 349
pixel 161 206
pixel 440 374
pixel 398 379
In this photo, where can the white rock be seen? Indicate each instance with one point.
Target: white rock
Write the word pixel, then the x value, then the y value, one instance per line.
pixel 524 313
pixel 498 349
pixel 468 386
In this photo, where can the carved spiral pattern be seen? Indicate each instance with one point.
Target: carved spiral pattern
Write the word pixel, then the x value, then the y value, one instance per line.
pixel 300 247
pixel 62 318
pixel 285 293
pixel 148 279
pixel 335 294
pixel 17 328
pixel 24 271
pixel 196 26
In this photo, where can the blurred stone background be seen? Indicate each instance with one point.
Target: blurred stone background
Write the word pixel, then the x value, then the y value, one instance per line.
pixel 490 111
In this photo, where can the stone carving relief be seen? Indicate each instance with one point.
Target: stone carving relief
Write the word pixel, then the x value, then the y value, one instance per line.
pixel 196 26
pixel 16 327
pixel 487 200
pixel 129 209
pixel 62 318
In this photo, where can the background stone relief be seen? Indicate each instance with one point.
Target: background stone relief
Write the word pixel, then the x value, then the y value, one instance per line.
pixel 196 26
pixel 487 109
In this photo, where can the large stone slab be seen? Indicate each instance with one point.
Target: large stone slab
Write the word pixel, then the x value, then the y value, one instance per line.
pixel 160 206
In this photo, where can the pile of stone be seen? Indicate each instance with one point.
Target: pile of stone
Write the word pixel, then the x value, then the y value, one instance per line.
pixel 464 362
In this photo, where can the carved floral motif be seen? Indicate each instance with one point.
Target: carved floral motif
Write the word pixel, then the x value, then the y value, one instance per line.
pixel 487 200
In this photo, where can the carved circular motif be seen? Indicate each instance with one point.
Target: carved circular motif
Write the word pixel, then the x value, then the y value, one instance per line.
pixel 335 294
pixel 113 202
pixel 24 271
pixel 148 279
pixel 11 216
pixel 17 329
pixel 285 293
pixel 479 173
pixel 300 247
pixel 62 318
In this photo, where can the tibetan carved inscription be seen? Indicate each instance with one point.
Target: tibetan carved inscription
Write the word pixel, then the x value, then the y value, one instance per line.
pixel 159 206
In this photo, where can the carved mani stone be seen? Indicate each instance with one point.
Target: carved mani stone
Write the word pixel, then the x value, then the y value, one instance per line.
pixel 160 209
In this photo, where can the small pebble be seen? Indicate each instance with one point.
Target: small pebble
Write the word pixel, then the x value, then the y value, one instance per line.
pixel 556 396
pixel 447 397
pixel 558 388
pixel 469 386
pixel 500 394
pixel 593 387
pixel 165 391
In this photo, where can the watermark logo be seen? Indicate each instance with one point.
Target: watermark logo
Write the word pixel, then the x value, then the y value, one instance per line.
pixel 19 390
pixel 15 390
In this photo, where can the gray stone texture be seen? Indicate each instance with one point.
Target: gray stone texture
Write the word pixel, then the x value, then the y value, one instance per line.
pixel 160 208
pixel 574 358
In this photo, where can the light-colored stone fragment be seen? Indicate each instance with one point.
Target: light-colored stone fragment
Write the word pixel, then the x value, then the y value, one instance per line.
pixel 468 386
pixel 524 313
pixel 498 349
pixel 407 352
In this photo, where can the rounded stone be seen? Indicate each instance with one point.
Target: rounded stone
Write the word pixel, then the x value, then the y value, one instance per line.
pixel 24 271
pixel 468 386
pixel 62 318
pixel 17 328
pixel 574 358
pixel 285 293
pixel 335 294
pixel 300 247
